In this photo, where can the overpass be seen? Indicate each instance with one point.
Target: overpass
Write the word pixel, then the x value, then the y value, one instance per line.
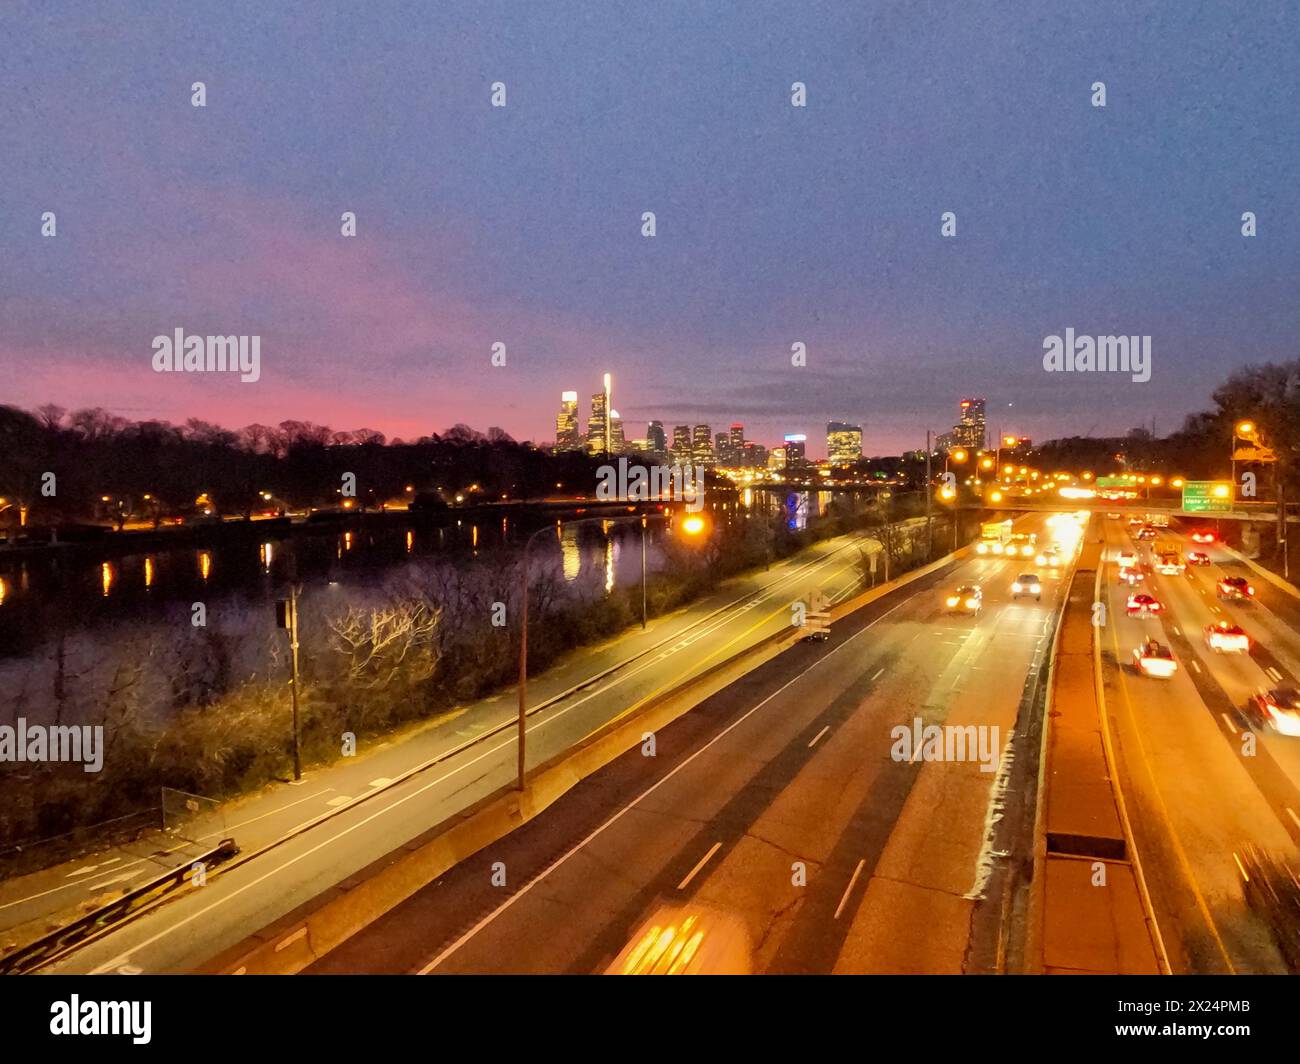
pixel 1263 512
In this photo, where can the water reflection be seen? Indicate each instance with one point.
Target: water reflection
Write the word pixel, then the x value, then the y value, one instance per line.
pixel 570 552
pixel 148 571
pixel 106 576
pixel 205 564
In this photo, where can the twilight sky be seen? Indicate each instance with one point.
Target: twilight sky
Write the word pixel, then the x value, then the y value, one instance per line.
pixel 775 224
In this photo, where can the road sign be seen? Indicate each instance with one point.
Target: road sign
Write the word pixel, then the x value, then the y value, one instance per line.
pixel 1207 496
pixel 1113 482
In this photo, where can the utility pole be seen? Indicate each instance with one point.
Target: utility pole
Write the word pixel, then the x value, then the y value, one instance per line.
pixel 929 526
pixel 286 612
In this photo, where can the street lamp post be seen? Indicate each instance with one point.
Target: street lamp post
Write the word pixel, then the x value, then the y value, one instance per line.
pixel 693 526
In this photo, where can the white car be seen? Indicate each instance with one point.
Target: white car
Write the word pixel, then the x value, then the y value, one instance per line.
pixel 1154 659
pixel 1027 584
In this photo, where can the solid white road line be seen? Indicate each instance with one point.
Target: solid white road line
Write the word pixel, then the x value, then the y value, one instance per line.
pixel 818 736
pixel 703 861
pixel 849 889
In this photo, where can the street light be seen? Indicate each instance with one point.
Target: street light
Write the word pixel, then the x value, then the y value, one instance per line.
pixel 693 525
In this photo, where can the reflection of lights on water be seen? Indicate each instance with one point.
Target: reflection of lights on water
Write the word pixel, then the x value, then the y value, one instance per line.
pixel 148 572
pixel 609 565
pixel 410 540
pixel 747 498
pixel 205 563
pixel 571 556
pixel 473 537
pixel 106 575
pixel 3 590
pixel 505 527
pixel 347 540
pixel 268 553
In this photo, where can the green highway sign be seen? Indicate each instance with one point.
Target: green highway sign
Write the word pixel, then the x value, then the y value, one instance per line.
pixel 1113 482
pixel 1207 497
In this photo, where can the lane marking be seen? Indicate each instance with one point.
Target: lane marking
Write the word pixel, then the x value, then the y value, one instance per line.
pixel 878 672
pixel 703 861
pixel 849 889
pixel 544 873
pixel 1291 813
pixel 818 736
pixel 1227 720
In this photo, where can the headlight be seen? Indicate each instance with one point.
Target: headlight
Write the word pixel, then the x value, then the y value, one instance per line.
pixel 1015 586
pixel 1035 588
pixel 952 601
pixel 971 603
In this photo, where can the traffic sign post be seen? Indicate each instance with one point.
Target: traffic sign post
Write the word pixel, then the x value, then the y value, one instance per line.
pixel 1207 497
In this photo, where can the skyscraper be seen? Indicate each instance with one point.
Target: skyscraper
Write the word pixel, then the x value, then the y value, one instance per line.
pixel 843 443
pixel 682 443
pixel 597 425
pixel 617 441
pixel 737 437
pixel 970 430
pixel 702 445
pixel 655 438
pixel 795 448
pixel 567 437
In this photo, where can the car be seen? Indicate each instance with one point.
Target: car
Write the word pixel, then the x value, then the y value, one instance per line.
pixel 1154 659
pixel 1143 605
pixel 1227 637
pixel 1112 516
pixel 1050 557
pixel 817 635
pixel 1197 557
pixel 1146 532
pixel 1202 535
pixel 1027 584
pixel 1135 522
pixel 1131 576
pixel 1235 589
pixel 1127 559
pixel 1278 709
pixel 965 599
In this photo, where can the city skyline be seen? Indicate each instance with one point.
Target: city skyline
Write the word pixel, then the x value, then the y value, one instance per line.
pixel 469 235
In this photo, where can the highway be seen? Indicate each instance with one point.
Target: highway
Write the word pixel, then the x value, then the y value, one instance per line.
pixel 346 815
pixel 1197 790
pixel 785 800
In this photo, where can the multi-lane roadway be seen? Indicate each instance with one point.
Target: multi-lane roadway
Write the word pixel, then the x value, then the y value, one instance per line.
pixel 343 817
pixel 787 801
pixel 1201 781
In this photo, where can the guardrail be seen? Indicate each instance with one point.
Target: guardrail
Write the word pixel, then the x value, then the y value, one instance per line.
pixel 50 947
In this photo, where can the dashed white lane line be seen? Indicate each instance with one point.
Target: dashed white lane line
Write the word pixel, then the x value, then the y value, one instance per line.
pixel 849 889
pixel 1291 813
pixel 383 781
pixel 342 799
pixel 703 861
pixel 818 736
pixel 1227 720
pixel 878 672
pixel 1274 674
pixel 1197 666
pixel 1177 630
